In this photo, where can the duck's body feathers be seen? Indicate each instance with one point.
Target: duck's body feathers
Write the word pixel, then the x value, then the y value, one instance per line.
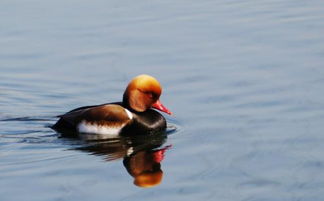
pixel 111 118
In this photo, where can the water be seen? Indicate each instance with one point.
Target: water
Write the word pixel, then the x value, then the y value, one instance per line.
pixel 244 79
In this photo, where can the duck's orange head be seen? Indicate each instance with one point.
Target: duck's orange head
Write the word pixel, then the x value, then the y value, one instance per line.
pixel 142 93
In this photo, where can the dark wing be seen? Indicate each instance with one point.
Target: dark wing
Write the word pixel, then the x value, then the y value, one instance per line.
pixel 107 114
pixel 90 106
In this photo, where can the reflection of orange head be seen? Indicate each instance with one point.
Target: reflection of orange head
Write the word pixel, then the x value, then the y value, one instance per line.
pixel 148 179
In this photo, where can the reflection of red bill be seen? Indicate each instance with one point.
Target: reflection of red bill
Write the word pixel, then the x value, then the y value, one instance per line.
pixel 158 155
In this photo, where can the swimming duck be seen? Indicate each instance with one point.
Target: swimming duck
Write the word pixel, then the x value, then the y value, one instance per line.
pixel 134 115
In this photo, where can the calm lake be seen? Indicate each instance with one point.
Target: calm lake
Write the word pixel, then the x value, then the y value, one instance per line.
pixel 244 80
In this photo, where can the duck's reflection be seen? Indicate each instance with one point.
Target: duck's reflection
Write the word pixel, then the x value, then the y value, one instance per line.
pixel 145 167
pixel 142 155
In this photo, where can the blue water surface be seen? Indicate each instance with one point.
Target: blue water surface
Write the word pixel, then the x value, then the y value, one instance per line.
pixel 244 79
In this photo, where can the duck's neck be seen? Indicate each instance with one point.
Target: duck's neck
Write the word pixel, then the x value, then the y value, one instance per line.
pixel 125 102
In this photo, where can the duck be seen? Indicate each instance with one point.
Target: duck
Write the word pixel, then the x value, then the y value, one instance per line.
pixel 135 114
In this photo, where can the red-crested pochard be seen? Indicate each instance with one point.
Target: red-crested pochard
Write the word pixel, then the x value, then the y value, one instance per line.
pixel 134 115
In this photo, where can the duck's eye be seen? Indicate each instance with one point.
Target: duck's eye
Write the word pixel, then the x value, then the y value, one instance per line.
pixel 150 95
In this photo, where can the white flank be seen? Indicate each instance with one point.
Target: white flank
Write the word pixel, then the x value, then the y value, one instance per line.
pixel 130 150
pixel 85 127
pixel 129 114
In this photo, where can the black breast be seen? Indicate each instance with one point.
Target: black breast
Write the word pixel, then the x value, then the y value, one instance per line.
pixel 148 122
